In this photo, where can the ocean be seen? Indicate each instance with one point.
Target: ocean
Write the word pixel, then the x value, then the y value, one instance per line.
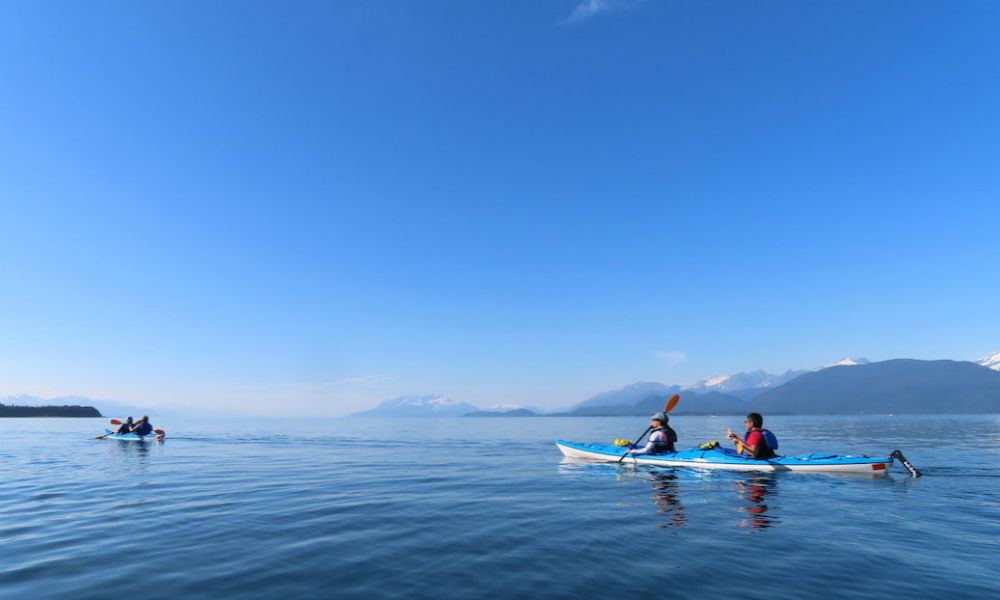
pixel 488 508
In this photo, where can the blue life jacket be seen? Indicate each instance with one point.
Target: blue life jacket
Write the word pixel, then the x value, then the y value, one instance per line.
pixel 144 429
pixel 770 438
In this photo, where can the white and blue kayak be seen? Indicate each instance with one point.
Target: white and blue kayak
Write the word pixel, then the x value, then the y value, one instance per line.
pixel 131 437
pixel 724 458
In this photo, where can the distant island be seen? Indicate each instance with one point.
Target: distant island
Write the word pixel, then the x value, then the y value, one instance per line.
pixel 48 411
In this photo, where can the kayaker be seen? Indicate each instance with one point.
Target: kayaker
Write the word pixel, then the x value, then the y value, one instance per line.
pixel 142 426
pixel 661 439
pixel 755 443
pixel 126 426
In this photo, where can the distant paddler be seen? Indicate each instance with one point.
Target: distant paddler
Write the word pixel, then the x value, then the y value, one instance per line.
pixel 126 426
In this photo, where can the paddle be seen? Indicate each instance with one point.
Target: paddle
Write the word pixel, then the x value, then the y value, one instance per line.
pixel 113 422
pixel 671 405
pixel 739 443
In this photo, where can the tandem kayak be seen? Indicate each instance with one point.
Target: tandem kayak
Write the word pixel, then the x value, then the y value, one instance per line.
pixel 110 435
pixel 724 458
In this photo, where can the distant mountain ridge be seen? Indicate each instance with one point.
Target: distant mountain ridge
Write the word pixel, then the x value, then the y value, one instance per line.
pixel 849 386
pixel 743 385
pixel 901 386
pixel 419 406
pixel 723 393
pixel 627 395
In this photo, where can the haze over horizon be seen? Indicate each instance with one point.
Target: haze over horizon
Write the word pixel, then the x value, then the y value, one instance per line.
pixel 312 208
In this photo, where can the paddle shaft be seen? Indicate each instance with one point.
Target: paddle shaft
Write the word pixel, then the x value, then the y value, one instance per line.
pixel 113 422
pixel 634 443
pixel 669 406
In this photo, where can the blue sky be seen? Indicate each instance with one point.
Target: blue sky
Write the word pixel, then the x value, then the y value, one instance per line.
pixel 307 208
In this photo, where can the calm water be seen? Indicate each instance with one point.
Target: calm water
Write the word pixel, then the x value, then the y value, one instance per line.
pixel 488 508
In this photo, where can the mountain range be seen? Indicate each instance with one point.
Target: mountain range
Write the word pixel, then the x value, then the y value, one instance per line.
pixel 900 386
pixel 849 386
pixel 419 406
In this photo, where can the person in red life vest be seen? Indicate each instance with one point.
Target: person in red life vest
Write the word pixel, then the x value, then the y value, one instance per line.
pixel 662 438
pixel 758 442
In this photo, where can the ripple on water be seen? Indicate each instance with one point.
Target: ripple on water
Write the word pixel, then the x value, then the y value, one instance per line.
pixel 476 508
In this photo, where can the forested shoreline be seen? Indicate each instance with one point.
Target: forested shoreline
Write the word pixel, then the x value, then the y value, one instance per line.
pixel 48 411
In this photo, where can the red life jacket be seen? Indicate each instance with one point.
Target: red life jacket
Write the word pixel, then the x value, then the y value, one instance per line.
pixel 767 451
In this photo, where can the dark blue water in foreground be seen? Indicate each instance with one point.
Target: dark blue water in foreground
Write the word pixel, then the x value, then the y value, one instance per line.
pixel 488 508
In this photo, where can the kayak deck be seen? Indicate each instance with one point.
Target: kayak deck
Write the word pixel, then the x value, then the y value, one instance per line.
pixel 723 458
pixel 110 435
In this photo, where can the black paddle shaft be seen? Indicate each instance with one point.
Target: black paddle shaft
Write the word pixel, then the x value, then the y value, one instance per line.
pixel 899 455
pixel 634 443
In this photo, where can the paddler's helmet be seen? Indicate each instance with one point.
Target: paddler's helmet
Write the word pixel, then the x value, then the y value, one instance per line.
pixel 661 417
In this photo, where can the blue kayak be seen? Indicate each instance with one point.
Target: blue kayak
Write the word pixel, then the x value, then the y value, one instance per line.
pixel 724 458
pixel 132 437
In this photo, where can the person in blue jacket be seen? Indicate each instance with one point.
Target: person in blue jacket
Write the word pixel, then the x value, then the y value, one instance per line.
pixel 126 426
pixel 142 426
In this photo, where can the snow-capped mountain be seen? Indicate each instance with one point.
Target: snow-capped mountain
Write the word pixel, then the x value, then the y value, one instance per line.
pixel 746 385
pixel 992 361
pixel 845 362
pixel 742 381
pixel 419 406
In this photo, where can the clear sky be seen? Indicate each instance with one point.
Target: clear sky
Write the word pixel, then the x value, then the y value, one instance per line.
pixel 305 208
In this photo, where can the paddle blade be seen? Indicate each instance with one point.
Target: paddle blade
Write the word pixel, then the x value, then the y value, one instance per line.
pixel 115 422
pixel 672 403
pixel 159 432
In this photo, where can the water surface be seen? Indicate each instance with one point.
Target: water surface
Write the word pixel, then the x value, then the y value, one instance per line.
pixel 488 508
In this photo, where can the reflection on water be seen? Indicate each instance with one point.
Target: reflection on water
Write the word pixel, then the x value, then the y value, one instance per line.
pixel 130 448
pixel 755 499
pixel 667 498
pixel 754 492
pixel 136 454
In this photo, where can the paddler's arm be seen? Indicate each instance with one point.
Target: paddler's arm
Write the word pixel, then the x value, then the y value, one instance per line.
pixel 644 450
pixel 740 446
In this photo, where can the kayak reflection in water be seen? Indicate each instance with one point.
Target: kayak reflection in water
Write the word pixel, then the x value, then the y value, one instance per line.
pixel 662 438
pixel 755 492
pixel 668 500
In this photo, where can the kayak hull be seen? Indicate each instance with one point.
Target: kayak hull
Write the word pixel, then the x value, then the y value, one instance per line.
pixel 721 458
pixel 131 437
